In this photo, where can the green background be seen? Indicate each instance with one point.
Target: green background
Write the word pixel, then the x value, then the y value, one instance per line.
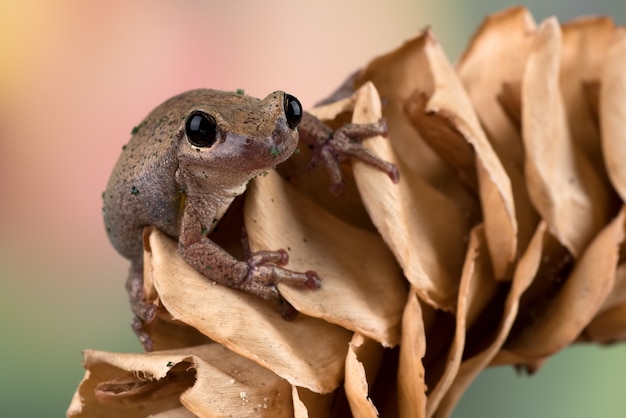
pixel 75 76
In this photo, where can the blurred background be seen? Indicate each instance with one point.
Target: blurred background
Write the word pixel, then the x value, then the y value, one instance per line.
pixel 76 76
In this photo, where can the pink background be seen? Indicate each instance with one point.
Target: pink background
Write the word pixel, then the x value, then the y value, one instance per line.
pixel 76 76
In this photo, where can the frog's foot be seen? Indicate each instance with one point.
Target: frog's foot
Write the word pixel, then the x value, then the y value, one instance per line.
pixel 266 271
pixel 331 148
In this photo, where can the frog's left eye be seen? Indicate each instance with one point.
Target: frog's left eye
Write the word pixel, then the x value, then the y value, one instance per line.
pixel 293 110
pixel 201 129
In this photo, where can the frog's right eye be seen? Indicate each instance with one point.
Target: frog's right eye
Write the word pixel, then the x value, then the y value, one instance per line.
pixel 201 129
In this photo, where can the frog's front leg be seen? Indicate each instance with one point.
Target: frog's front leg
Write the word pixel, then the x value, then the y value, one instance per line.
pixel 258 274
pixel 331 147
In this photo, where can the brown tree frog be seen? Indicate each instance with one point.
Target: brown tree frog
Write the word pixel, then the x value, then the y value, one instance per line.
pixel 186 163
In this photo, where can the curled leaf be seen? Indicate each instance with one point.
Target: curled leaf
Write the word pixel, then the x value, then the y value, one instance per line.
pixel 582 295
pixel 608 327
pixel 562 185
pixel 411 385
pixel 420 225
pixel 360 293
pixel 207 380
pixel 583 53
pixel 613 111
pixel 362 364
pixel 442 112
pixel 491 70
pixel 470 367
pixel 477 288
pixel 396 75
pixel 245 323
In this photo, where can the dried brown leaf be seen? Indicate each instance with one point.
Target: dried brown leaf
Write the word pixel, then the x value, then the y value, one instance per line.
pixel 476 290
pixel 209 380
pixel 396 76
pixel 442 112
pixel 613 111
pixel 608 327
pixel 181 412
pixel 525 272
pixel 299 408
pixel 496 55
pixel 510 98
pixel 309 404
pixel 362 285
pixel 422 227
pixel 362 363
pixel 563 186
pixel 496 58
pixel 578 301
pixel 331 110
pixel 583 54
pixel 246 324
pixel 618 293
pixel 411 385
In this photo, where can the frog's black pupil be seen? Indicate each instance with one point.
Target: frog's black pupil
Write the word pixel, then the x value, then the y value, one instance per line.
pixel 293 111
pixel 201 130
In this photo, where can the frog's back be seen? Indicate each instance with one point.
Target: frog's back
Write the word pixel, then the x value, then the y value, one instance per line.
pixel 142 189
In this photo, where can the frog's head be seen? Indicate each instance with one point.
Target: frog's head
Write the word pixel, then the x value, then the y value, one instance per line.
pixel 230 137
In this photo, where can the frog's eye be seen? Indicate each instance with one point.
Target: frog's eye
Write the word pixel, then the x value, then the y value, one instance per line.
pixel 201 130
pixel 293 110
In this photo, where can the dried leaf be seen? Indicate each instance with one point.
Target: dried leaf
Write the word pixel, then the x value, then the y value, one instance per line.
pixel 331 110
pixel 608 327
pixel 246 389
pixel 562 185
pixel 181 412
pixel 421 226
pixel 396 76
pixel 299 408
pixel 309 404
pixel 496 55
pixel 618 293
pixel 411 385
pixel 476 290
pixel 362 364
pixel 578 301
pixel 470 368
pixel 583 54
pixel 246 324
pixel 362 285
pixel 315 183
pixel 609 324
pixel 442 112
pixel 510 98
pixel 613 111
pixel 490 68
pixel 217 382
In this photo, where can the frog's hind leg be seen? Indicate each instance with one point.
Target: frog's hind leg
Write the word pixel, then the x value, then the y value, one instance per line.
pixel 144 311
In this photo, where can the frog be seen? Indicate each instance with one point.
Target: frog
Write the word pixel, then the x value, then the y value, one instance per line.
pixel 186 163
